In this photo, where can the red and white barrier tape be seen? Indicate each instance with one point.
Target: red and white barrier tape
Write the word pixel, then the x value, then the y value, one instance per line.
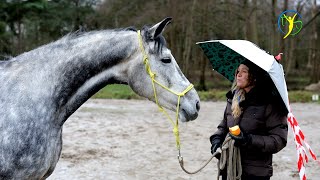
pixel 299 139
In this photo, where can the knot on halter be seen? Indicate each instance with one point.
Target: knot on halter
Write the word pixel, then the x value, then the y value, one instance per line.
pixel 145 59
pixel 176 131
pixel 176 134
pixel 186 90
pixel 152 75
pixel 160 108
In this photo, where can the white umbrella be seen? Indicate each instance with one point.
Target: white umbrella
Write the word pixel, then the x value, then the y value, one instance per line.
pixel 247 51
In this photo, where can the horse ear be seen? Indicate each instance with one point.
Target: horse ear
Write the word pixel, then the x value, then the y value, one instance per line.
pixel 158 28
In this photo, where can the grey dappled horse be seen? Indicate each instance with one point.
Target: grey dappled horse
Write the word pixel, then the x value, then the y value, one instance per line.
pixel 41 88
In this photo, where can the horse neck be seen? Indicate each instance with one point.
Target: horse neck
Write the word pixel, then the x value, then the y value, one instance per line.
pixel 93 61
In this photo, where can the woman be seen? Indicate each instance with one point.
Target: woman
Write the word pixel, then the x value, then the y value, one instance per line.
pixel 254 104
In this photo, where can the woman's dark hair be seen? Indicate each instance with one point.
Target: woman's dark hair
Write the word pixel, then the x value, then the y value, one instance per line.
pixel 259 77
pixel 264 85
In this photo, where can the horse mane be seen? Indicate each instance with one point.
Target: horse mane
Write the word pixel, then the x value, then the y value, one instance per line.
pixel 82 32
pixel 5 58
pixel 160 41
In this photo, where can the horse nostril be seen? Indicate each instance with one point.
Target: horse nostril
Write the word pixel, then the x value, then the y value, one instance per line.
pixel 198 105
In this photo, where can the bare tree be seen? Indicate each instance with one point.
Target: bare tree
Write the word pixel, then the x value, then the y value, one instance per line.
pixel 274 36
pixel 313 47
pixel 188 39
pixel 251 22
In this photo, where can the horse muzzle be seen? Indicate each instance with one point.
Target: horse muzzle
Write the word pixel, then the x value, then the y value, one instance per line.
pixel 189 107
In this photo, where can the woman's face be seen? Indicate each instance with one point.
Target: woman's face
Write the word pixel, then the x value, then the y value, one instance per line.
pixel 242 76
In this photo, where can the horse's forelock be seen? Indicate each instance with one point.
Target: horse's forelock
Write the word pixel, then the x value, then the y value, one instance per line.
pixel 159 41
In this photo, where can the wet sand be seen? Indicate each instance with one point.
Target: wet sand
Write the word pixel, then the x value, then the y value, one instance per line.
pixel 131 139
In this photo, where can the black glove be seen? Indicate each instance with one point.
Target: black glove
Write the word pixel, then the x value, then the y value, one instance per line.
pixel 243 139
pixel 215 143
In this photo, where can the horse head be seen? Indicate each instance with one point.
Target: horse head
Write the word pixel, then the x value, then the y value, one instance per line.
pixel 154 60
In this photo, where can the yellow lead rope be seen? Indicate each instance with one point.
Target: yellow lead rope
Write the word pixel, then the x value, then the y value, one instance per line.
pixel 152 76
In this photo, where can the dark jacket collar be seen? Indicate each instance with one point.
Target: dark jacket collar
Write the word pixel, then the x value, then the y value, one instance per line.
pixel 253 97
pixel 259 97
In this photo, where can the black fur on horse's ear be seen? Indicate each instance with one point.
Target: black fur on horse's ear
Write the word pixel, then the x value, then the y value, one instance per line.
pixel 157 29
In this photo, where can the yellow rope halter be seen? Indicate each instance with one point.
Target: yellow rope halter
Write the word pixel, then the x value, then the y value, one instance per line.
pixel 152 76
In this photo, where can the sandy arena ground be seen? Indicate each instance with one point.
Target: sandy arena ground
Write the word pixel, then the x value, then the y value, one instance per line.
pixel 131 139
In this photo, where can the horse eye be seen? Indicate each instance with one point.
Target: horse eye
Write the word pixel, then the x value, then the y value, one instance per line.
pixel 166 60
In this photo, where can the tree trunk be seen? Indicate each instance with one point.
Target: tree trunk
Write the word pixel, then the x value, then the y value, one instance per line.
pixel 313 48
pixel 290 59
pixel 203 59
pixel 253 24
pixel 246 26
pixel 282 43
pixel 274 36
pixel 202 82
pixel 188 41
pixel 19 50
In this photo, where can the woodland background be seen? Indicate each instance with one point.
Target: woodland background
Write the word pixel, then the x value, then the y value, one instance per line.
pixel 27 24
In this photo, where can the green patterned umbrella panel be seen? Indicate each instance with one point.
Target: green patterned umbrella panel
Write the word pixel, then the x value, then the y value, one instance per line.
pixel 223 59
